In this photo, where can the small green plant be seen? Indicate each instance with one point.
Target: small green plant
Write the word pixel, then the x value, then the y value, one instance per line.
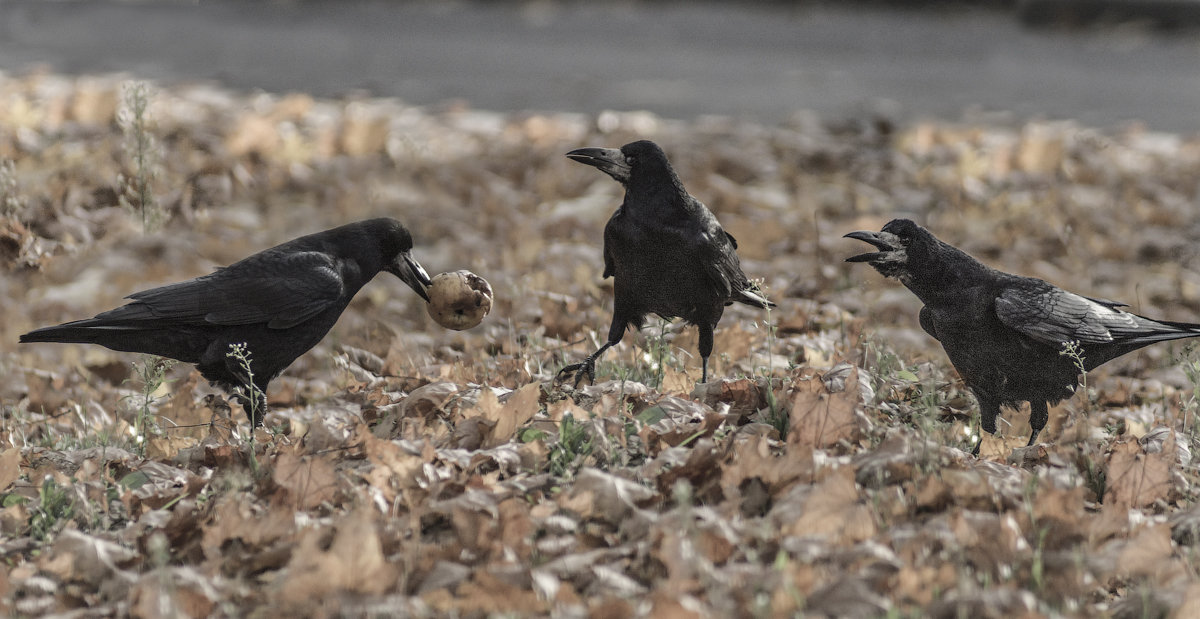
pixel 759 287
pixel 54 507
pixel 1074 352
pixel 151 372
pixel 252 400
pixel 1191 368
pixel 1037 566
pixel 141 148
pixel 574 444
pixel 777 416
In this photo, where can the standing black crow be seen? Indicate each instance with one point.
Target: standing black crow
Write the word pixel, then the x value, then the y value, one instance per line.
pixel 279 302
pixel 665 251
pixel 1005 333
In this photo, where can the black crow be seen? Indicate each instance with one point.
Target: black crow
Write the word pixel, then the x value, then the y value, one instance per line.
pixel 279 302
pixel 665 252
pixel 1005 333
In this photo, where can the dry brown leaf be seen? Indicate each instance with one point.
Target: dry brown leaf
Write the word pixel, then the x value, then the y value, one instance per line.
pixel 1190 607
pixel 184 416
pixel 520 407
pixel 596 494
pixel 173 592
pixel 995 541
pixel 353 562
pixel 235 517
pixel 167 447
pixel 163 485
pixel 754 459
pixel 998 447
pixel 744 396
pixel 682 421
pixel 395 467
pixel 1060 512
pixel 78 557
pixel 10 467
pixel 676 382
pixel 307 481
pixel 1138 479
pixel 821 419
pixel 428 400
pixel 488 593
pixel 831 510
pixel 1147 553
pixel 667 606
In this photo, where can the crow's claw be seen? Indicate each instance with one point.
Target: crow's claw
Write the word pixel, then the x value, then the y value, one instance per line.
pixel 587 367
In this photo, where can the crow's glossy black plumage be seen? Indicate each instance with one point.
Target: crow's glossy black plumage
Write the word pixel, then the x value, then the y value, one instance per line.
pixel 279 302
pixel 665 251
pixel 1005 333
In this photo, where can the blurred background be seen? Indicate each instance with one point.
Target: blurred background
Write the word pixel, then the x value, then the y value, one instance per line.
pixel 1102 63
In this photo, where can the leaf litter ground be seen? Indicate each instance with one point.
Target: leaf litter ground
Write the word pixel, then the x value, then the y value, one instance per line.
pixel 409 470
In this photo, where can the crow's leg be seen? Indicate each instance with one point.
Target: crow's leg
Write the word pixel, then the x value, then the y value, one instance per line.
pixel 587 367
pixel 989 410
pixel 249 389
pixel 254 401
pixel 1038 416
pixel 706 346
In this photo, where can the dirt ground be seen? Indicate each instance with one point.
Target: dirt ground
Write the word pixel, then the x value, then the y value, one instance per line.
pixel 410 470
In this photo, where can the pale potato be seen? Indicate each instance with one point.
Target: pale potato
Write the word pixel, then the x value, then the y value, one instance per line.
pixel 459 300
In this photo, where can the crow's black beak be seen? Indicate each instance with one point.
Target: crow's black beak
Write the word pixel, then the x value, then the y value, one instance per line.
pixel 412 273
pixel 608 160
pixel 874 238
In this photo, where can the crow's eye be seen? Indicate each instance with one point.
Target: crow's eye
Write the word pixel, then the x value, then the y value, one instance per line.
pixel 631 159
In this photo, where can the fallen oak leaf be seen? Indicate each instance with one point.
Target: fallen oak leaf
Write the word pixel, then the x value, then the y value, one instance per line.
pixel 353 562
pixel 820 418
pixel 515 412
pixel 305 481
pixel 1137 479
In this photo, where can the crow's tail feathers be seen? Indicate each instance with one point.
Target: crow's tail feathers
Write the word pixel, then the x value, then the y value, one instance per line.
pixel 78 332
pixel 1151 331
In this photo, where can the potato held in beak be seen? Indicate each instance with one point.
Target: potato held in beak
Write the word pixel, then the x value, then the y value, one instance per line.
pixel 459 300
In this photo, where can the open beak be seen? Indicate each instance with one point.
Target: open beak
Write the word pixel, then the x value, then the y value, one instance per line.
pixel 608 160
pixel 880 240
pixel 412 273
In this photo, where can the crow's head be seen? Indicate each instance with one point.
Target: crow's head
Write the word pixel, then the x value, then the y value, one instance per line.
pixel 395 243
pixel 900 243
pixel 633 161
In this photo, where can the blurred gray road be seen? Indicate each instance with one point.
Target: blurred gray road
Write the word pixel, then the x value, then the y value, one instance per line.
pixel 676 59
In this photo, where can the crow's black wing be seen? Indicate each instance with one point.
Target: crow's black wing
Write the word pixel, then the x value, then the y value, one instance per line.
pixel 1055 316
pixel 279 289
pixel 715 255
pixel 731 239
pixel 926 320
pixel 610 268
